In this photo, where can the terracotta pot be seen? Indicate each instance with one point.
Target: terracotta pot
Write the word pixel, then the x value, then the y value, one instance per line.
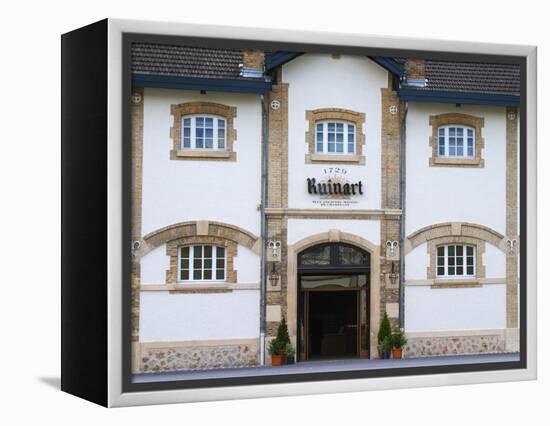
pixel 397 353
pixel 278 359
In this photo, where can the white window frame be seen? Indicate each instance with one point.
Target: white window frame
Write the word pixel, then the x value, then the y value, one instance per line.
pixel 446 261
pixel 465 137
pixel 345 150
pixel 192 266
pixel 193 136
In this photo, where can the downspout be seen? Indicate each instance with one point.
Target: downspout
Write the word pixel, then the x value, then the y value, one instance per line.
pixel 263 231
pixel 402 227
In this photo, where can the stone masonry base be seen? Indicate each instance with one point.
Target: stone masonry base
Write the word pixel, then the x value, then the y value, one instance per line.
pixel 497 342
pixel 189 356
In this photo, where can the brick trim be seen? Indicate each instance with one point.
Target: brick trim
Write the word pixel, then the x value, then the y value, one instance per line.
pixel 436 121
pixel 194 228
pixel 357 118
pixel 462 229
pixel 191 108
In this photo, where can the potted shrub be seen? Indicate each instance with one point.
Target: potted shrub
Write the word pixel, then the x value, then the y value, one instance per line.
pixel 387 344
pixel 384 331
pixel 289 352
pixel 399 340
pixel 278 346
pixel 277 352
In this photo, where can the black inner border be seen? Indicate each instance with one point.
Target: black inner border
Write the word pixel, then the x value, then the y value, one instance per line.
pixel 129 38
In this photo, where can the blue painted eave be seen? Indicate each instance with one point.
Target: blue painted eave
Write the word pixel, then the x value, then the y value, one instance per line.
pixel 273 60
pixel 458 97
pixel 390 64
pixel 209 84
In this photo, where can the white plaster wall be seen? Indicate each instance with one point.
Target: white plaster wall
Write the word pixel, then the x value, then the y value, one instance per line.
pixel 428 309
pixel 351 82
pixel 154 266
pixel 416 263
pixel 181 190
pixel 443 194
pixel 247 264
pixel 494 260
pixel 299 229
pixel 176 317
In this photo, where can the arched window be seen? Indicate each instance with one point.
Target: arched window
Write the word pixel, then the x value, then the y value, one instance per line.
pixel 332 256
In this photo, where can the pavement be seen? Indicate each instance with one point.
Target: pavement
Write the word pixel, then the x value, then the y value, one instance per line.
pixel 324 366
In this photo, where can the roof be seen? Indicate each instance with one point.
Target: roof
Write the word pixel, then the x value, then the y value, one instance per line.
pixel 488 78
pixel 192 68
pixel 447 81
pixel 162 59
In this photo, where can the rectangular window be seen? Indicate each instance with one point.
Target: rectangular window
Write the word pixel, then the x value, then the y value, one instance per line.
pixel 455 141
pixel 455 260
pixel 201 263
pixel 203 132
pixel 334 137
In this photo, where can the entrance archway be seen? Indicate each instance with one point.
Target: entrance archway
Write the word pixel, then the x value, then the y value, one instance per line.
pixel 333 236
pixel 333 302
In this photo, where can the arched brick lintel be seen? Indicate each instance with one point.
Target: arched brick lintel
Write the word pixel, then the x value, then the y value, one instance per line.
pixel 200 228
pixel 459 229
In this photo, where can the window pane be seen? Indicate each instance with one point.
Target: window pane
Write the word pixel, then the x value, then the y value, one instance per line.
pixel 221 123
pixel 351 133
pixel 184 275
pixel 316 256
pixel 199 122
pixel 220 251
pixel 440 261
pixel 470 250
pixel 339 127
pixel 319 137
pixel 209 122
pixel 220 274
pixel 339 137
pixel 470 270
pixel 470 261
pixel 460 270
pixel 320 127
pixel 220 263
pixel 319 147
pixel 330 137
pixel 459 261
pixel 459 250
pixel 207 251
pixel 441 251
pixel 351 147
pixel 197 264
pixel 451 270
pixel 197 251
pixel 451 261
pixel 451 250
pixel 440 271
pixel 330 127
pixel 184 264
pixel 207 274
pixel 207 263
pixel 331 147
pixel 197 275
pixel 351 256
pixel 184 252
pixel 221 139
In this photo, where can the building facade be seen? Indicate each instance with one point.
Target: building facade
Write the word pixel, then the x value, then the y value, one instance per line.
pixel 324 189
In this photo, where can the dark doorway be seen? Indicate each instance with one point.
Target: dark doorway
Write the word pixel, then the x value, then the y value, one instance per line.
pixel 332 324
pixel 333 302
